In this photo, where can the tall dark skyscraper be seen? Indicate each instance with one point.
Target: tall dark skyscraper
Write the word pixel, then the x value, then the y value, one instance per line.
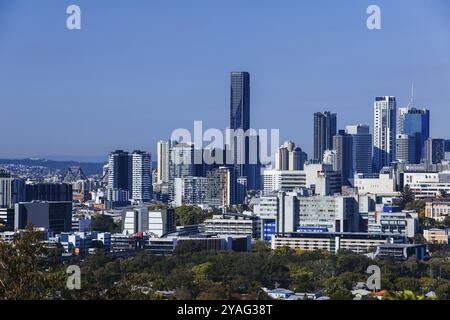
pixel 119 176
pixel 240 101
pixel 325 125
pixel 240 120
pixel 342 144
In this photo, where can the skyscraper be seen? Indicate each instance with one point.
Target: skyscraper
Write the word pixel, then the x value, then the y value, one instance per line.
pixel 119 177
pixel 406 148
pixel 325 126
pixel 241 152
pixel 362 148
pixel 141 176
pixel 240 120
pixel 415 122
pixel 163 161
pixel 12 190
pixel 342 144
pixel 384 124
pixel 240 101
pixel 181 164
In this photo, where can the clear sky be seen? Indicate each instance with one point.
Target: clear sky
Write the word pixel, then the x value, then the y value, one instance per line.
pixel 139 69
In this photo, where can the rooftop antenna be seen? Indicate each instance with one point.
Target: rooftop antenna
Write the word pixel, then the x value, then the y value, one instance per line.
pixel 411 102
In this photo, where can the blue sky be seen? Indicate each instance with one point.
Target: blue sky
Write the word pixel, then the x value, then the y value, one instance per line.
pixel 139 69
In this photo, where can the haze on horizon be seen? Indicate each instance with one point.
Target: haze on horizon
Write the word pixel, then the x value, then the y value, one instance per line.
pixel 136 71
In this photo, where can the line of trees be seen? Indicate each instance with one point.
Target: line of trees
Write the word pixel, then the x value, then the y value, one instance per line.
pixel 29 270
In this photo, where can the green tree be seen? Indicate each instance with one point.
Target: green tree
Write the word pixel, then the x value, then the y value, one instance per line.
pixel 189 215
pixel 406 196
pixel 103 223
pixel 22 269
pixel 404 295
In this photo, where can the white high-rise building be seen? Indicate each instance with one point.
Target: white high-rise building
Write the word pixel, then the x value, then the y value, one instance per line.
pixel 190 191
pixel 181 163
pixel 384 135
pixel 12 190
pixel 141 176
pixel 163 148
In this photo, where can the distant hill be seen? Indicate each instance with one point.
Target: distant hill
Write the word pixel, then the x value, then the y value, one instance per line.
pixel 88 168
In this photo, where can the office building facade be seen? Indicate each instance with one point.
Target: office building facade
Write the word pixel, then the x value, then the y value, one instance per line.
pixel 163 149
pixel 384 142
pixel 141 176
pixel 325 126
pixel 362 149
pixel 343 145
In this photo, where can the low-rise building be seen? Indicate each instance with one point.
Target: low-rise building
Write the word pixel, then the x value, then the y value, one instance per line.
pixel 233 224
pixel 393 220
pixel 427 184
pixel 384 184
pixel 437 209
pixel 333 242
pixel 401 251
pixel 209 242
pixel 436 236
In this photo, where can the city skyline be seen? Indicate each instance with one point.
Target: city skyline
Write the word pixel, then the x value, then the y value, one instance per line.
pixel 285 94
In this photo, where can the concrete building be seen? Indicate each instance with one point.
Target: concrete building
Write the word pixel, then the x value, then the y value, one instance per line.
pixel 141 177
pixel 319 177
pixel 275 180
pixel 437 209
pixel 394 221
pixel 209 242
pixel 267 211
pixel 329 213
pixel 401 251
pixel 181 164
pixel 436 236
pixel 384 184
pixel 289 157
pixel 218 193
pixel 233 224
pixel 163 149
pixel 161 222
pixel 190 191
pixel 135 219
pixel 323 179
pixel 333 242
pixel 427 184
